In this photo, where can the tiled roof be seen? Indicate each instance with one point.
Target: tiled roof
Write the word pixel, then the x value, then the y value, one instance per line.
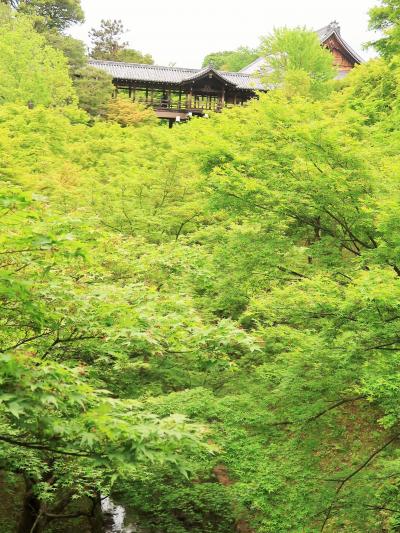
pixel 244 81
pixel 172 75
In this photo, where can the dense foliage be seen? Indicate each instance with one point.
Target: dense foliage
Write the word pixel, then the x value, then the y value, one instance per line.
pixel 231 61
pixel 127 113
pixel 203 321
pixel 50 14
pixel 31 70
pixel 386 18
pixel 296 60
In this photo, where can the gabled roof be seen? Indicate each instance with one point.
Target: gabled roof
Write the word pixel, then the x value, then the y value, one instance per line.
pixel 333 30
pixel 173 75
pixel 208 71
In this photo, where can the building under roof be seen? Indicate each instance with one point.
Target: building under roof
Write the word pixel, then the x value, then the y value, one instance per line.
pixel 178 93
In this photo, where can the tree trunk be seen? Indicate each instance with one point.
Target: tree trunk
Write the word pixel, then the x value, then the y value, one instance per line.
pixel 97 518
pixel 30 520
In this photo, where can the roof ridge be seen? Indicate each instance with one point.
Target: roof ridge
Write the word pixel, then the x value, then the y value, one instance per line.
pixel 146 65
pixel 233 73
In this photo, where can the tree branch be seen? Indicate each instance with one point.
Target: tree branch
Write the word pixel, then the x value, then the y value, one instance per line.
pixel 24 341
pixel 42 447
pixel 337 404
pixel 343 224
pixel 6 252
pixel 318 415
pixel 293 272
pixel 342 482
pixel 183 224
pixel 67 340
pixel 386 345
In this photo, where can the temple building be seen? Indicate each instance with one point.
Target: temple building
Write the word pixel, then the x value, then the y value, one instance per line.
pixel 178 93
pixel 344 57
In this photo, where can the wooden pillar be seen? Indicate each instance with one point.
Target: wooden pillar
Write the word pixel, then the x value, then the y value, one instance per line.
pixel 152 96
pixel 134 93
pixel 189 98
pixel 223 98
pixel 147 95
pixel 180 99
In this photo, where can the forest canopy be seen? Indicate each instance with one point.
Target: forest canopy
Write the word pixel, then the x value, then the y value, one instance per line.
pixel 203 322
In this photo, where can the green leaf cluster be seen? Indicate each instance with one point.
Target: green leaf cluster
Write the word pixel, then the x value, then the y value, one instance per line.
pixel 233 282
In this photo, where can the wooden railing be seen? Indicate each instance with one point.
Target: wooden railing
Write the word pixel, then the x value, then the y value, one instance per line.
pixel 193 104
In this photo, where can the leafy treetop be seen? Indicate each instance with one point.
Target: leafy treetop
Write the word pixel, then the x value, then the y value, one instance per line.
pixel 30 69
pixel 107 44
pixel 231 61
pixel 57 14
pixel 386 19
pixel 295 58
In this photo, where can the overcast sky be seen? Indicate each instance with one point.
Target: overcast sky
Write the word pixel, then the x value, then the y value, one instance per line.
pixel 184 31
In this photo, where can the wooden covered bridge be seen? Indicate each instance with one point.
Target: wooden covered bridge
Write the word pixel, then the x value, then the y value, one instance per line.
pixel 178 93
